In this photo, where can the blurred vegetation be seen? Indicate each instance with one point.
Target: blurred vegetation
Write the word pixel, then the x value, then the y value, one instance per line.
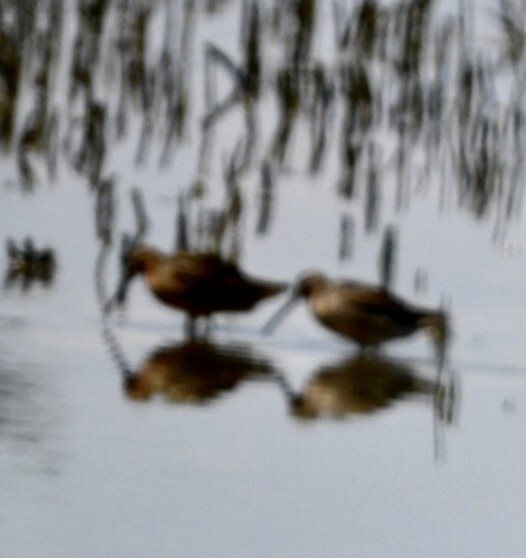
pixel 28 265
pixel 400 90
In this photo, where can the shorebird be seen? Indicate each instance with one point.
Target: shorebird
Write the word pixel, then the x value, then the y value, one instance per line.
pixel 198 284
pixel 366 314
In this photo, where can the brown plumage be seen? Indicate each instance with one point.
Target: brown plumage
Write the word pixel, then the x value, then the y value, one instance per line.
pixel 195 372
pixel 198 284
pixel 362 384
pixel 366 314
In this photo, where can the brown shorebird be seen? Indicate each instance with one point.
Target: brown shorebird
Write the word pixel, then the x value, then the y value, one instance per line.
pixel 366 314
pixel 198 284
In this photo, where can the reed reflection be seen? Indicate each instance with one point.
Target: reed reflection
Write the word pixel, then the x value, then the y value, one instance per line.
pixel 10 68
pixel 28 265
pixel 31 413
pixel 405 81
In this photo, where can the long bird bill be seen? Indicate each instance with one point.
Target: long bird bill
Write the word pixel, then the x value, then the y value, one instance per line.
pixel 281 313
pixel 126 274
pixel 122 289
pixel 119 297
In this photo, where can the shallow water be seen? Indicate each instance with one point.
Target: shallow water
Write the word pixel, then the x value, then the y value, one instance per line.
pixel 89 470
pixel 120 438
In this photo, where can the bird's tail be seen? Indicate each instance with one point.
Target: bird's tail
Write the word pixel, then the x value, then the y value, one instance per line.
pixel 437 323
pixel 269 289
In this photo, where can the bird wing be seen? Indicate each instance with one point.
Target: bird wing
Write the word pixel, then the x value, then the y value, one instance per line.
pixel 376 301
pixel 203 271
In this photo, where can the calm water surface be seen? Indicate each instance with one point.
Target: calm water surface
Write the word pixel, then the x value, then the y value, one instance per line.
pixel 120 438
pixel 90 469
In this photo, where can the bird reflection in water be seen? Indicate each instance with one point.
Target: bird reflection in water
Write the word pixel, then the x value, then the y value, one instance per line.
pixel 195 372
pixel 365 384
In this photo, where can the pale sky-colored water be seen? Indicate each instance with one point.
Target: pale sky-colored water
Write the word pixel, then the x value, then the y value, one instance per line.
pixel 85 471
